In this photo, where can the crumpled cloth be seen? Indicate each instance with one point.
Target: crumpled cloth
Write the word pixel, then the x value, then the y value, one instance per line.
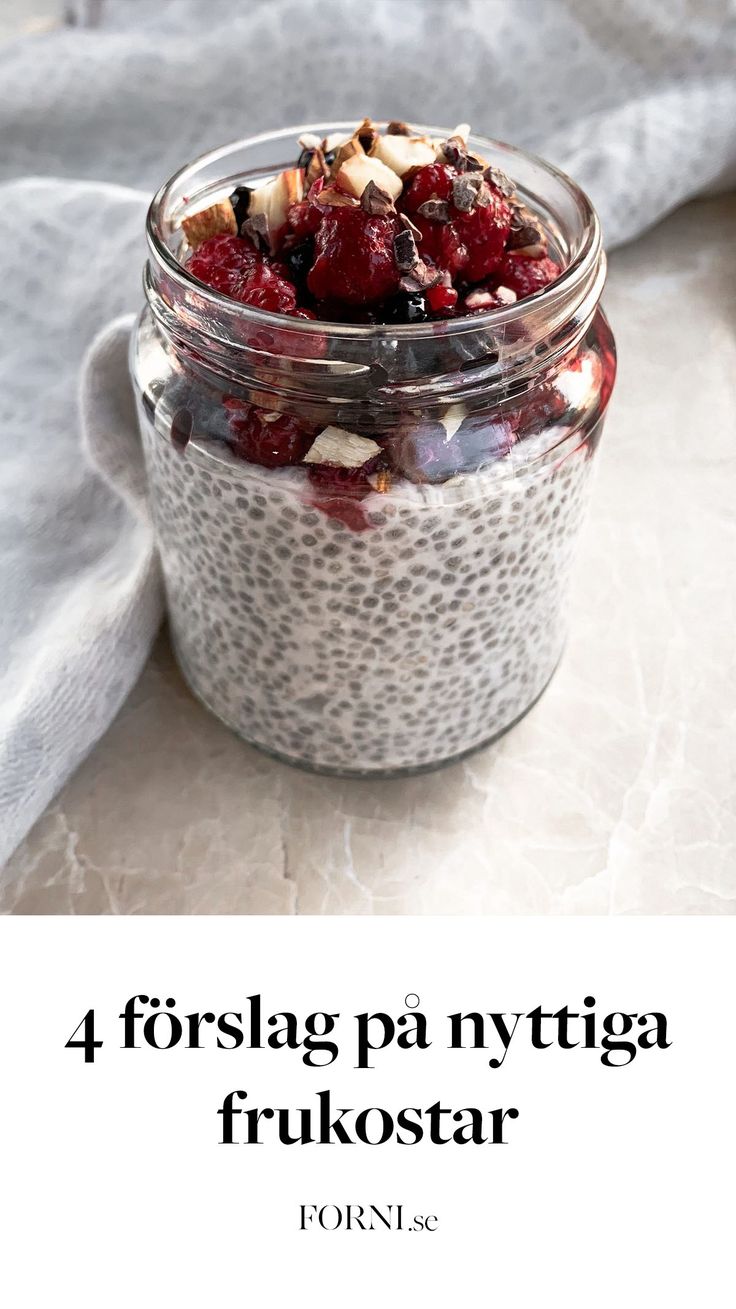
pixel 637 100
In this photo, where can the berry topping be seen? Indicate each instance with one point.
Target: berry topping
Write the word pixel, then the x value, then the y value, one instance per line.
pixel 441 299
pixel 272 440
pixel 375 228
pixel 224 263
pixel 232 265
pixel 463 219
pixel 354 259
pixel 524 275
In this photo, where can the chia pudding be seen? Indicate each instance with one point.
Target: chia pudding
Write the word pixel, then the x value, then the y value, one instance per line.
pixel 370 385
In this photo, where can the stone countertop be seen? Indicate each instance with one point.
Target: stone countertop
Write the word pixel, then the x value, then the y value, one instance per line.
pixel 616 793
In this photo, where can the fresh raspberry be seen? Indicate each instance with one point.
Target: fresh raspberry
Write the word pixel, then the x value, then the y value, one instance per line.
pixel 354 258
pixel 225 263
pixel 268 290
pixel 524 275
pixel 470 244
pixel 305 216
pixel 433 182
pixel 484 232
pixel 340 491
pixel 272 444
pixel 233 266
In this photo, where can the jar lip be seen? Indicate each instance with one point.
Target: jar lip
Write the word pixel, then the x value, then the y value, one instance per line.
pixel 576 273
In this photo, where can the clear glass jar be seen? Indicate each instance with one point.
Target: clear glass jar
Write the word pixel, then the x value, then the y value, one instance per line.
pixel 402 631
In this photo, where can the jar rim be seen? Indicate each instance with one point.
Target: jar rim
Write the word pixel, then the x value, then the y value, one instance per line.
pixel 568 287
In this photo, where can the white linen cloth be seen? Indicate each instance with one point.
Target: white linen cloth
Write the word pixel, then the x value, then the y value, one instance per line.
pixel 637 100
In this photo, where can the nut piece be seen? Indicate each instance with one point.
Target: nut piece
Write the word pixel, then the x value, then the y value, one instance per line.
pixel 344 449
pixel 210 222
pixel 479 300
pixel 437 211
pixel 526 235
pixel 273 200
pixel 401 153
pixel 498 178
pixel 466 192
pixel 376 201
pixel 355 174
pixel 330 196
pixel 452 420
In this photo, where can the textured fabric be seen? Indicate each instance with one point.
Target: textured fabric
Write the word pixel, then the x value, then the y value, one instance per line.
pixel 636 99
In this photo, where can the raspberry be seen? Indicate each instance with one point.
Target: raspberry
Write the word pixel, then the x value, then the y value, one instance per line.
pixel 484 232
pixel 269 290
pixel 470 244
pixel 272 444
pixel 433 182
pixel 441 299
pixel 340 491
pixel 305 216
pixel 233 266
pixel 524 275
pixel 354 258
pixel 224 262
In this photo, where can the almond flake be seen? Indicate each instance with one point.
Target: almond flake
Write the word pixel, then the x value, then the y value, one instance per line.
pixel 355 174
pixel 479 300
pixel 210 222
pixel 400 153
pixel 344 449
pixel 272 201
pixel 332 197
pixel 452 420
pixel 308 141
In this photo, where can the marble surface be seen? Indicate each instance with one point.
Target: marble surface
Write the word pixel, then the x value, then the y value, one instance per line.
pixel 616 794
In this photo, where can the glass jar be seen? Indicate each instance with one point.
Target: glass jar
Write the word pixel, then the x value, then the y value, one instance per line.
pixel 399 630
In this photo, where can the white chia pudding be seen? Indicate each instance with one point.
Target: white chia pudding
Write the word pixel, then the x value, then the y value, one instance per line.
pixel 388 650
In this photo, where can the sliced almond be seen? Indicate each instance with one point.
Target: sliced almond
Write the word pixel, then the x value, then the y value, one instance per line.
pixel 331 196
pixel 345 449
pixel 344 152
pixel 355 174
pixel 400 153
pixel 273 200
pixel 309 141
pixel 452 420
pixel 210 222
pixel 334 140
